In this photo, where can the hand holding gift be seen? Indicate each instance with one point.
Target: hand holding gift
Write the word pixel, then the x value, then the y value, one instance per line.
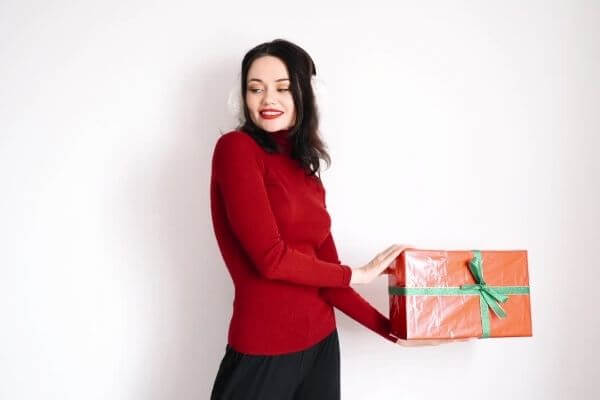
pixel 428 342
pixel 377 265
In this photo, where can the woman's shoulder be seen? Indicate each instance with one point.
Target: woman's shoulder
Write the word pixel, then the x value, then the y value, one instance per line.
pixel 236 149
pixel 236 141
pixel 235 137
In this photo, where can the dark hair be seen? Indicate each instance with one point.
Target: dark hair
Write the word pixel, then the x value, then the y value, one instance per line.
pixel 307 146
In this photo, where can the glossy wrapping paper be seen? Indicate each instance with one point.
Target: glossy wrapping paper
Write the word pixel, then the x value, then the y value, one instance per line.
pixel 459 294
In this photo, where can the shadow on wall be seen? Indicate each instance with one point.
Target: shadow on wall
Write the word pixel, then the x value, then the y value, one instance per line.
pixel 189 332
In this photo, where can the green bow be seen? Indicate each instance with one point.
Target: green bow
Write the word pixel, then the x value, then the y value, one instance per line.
pixel 490 296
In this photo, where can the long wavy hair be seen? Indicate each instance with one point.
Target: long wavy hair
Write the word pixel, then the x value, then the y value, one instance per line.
pixel 307 146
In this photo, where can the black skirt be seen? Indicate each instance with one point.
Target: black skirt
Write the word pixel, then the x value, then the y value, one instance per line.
pixel 313 374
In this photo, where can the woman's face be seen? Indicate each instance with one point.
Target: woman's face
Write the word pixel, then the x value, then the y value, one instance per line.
pixel 268 88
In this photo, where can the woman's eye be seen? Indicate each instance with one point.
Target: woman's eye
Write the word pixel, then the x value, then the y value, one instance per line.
pixel 255 90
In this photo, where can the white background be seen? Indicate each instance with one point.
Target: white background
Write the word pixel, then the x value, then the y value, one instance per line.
pixel 452 125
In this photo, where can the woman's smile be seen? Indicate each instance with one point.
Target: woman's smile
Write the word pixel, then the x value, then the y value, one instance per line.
pixel 270 114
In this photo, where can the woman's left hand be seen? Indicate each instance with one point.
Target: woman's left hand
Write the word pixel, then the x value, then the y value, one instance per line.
pixel 428 342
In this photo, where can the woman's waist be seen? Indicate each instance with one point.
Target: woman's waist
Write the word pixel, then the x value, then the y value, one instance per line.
pixel 279 326
pixel 270 296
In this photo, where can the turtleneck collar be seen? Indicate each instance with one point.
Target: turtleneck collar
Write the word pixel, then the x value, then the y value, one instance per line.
pixel 282 139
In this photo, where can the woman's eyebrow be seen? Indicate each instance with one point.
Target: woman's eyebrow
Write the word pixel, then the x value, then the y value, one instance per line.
pixel 258 80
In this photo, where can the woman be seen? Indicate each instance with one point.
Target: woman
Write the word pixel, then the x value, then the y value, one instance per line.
pixel 273 230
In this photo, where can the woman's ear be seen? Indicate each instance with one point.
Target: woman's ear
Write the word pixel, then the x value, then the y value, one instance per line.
pixel 235 102
pixel 319 90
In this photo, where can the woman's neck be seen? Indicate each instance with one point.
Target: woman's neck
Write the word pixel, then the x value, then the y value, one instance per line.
pixel 281 137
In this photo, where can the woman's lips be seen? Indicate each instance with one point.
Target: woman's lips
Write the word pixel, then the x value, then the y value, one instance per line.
pixel 270 115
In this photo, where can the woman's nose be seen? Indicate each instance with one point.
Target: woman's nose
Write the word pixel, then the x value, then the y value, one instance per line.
pixel 269 98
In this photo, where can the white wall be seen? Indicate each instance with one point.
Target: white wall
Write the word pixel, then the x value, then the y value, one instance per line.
pixel 462 124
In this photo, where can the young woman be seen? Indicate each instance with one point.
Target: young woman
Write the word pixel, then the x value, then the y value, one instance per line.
pixel 273 230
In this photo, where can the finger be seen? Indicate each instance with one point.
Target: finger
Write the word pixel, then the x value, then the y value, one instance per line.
pixel 381 266
pixel 382 257
pixel 392 256
pixel 423 342
pixel 394 249
pixel 402 247
pixel 382 262
pixel 407 247
pixel 387 251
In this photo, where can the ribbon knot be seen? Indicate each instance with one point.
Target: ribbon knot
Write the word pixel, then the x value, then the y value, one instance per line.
pixel 490 296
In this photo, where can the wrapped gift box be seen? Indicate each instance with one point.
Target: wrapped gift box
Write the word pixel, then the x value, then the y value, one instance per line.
pixel 459 294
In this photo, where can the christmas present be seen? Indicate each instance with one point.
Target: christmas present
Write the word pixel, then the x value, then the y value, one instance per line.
pixel 459 294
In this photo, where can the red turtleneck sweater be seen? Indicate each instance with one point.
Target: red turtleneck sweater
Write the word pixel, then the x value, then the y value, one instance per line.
pixel 273 230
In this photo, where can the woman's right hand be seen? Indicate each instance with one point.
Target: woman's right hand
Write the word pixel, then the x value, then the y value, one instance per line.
pixel 376 266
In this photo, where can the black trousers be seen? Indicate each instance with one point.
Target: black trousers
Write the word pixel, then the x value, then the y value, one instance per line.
pixel 312 374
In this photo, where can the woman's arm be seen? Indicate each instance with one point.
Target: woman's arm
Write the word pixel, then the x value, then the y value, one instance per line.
pixel 349 301
pixel 238 170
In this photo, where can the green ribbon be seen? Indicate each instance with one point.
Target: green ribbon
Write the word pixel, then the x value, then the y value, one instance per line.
pixel 489 296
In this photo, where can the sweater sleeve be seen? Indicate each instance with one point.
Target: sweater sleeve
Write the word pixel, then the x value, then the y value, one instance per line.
pixel 238 170
pixel 351 302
